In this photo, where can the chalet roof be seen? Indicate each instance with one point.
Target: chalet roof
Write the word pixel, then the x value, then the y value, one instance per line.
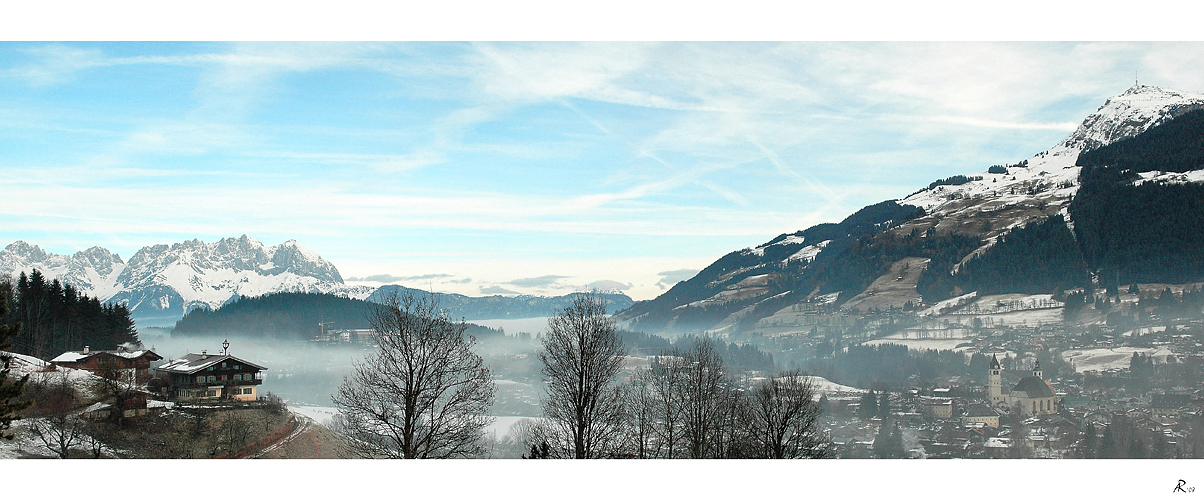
pixel 80 356
pixel 980 410
pixel 192 363
pixel 1034 387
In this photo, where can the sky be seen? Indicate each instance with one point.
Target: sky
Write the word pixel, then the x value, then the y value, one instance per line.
pixel 521 167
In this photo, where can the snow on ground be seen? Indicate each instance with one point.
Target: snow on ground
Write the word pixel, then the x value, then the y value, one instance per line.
pixel 953 303
pixel 926 344
pixel 808 253
pixel 824 386
pixel 319 414
pixel 1116 358
pixel 1032 317
pixel 24 444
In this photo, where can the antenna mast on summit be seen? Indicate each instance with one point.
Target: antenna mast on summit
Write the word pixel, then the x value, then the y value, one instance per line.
pixel 1135 79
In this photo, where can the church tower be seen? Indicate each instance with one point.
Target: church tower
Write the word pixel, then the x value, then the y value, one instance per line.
pixel 995 382
pixel 1037 369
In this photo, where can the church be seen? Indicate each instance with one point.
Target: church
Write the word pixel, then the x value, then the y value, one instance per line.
pixel 1032 394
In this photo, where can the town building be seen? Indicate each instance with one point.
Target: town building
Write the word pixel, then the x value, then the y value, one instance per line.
pixel 1032 395
pixel 126 365
pixel 980 414
pixel 210 377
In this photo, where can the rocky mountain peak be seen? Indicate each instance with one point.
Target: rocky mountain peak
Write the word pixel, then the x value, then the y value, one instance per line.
pixel 1131 113
pixel 30 253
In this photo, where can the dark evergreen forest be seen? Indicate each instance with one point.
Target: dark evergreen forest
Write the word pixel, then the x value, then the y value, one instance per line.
pixel 892 365
pixel 289 315
pixel 1041 257
pixel 56 318
pixel 1143 232
pixel 1174 146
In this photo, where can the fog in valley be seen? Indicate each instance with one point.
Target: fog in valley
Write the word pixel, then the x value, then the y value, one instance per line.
pixel 307 373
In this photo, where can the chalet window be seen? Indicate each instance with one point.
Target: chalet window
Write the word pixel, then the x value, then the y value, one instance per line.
pixel 211 368
pixel 200 378
pixel 248 390
pixel 223 364
pixel 221 377
pixel 236 367
pixel 212 378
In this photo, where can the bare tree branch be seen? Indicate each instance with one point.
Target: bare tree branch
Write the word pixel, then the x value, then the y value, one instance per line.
pixel 423 393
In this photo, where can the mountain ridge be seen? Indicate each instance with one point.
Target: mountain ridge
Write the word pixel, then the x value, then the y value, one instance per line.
pixel 160 283
pixel 957 220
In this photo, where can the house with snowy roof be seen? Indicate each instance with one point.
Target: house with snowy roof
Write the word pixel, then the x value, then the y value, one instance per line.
pixel 211 377
pixel 128 365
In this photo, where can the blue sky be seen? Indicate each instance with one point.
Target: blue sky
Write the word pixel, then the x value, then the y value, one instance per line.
pixel 522 167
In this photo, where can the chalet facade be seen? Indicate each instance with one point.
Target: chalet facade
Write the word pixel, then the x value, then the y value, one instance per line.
pixel 210 377
pixel 130 366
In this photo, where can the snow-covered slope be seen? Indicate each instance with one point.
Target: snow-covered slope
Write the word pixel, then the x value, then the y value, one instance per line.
pixel 1045 184
pixel 160 283
pixel 744 285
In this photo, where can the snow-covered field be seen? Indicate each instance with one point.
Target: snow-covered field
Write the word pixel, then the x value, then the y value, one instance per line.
pixel 320 414
pixel 1116 358
pixel 925 344
pixel 323 415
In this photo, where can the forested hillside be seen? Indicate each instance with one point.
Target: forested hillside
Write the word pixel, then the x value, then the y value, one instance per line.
pixel 293 316
pixel 1135 231
pixel 1041 257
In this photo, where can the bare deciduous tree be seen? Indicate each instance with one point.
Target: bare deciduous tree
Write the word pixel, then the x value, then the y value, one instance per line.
pixel 704 390
pixel 62 427
pixel 581 357
pixel 424 393
pixel 785 419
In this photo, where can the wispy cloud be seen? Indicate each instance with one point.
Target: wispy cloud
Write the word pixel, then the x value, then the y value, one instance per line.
pixel 670 278
pixel 541 281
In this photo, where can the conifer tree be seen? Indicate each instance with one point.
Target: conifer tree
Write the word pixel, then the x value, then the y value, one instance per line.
pixel 9 390
pixel 869 406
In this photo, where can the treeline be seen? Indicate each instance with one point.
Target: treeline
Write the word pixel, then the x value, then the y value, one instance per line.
pixel 1040 257
pixel 56 318
pixel 741 357
pixel 687 405
pixel 288 315
pixel 1174 146
pixel 1139 233
pixel 955 180
pixel 865 365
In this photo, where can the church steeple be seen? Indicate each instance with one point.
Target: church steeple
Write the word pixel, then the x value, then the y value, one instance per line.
pixel 1037 369
pixel 995 383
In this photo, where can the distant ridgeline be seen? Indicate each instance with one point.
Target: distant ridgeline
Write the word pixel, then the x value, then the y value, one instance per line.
pixel 850 261
pixel 499 307
pixel 293 316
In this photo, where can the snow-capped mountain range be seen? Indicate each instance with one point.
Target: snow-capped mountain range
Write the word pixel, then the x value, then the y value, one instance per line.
pixel 160 283
pixel 756 287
